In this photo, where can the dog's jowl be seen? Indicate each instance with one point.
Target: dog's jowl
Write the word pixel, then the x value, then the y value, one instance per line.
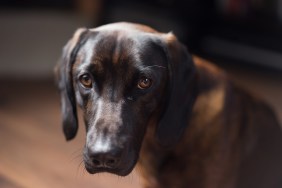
pixel 146 101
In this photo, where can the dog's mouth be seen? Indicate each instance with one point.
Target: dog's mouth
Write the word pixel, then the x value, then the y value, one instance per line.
pixel 118 171
pixel 123 166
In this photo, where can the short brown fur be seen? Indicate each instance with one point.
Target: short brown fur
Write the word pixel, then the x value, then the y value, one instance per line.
pixel 231 139
pixel 227 129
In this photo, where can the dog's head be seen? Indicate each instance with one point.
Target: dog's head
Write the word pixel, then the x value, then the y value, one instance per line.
pixel 122 75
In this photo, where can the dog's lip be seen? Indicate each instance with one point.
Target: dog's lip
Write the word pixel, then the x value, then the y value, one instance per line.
pixel 120 172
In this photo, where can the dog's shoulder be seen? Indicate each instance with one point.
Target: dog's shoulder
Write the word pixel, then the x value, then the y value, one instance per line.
pixel 212 86
pixel 209 75
pixel 220 96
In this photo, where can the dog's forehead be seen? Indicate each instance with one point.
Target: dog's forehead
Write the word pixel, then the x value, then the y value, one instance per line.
pixel 115 45
pixel 126 27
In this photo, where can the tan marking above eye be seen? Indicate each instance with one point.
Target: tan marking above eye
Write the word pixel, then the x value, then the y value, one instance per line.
pixel 144 83
pixel 86 80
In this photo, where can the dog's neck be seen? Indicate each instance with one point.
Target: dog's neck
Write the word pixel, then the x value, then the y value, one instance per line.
pixel 154 158
pixel 150 155
pixel 218 139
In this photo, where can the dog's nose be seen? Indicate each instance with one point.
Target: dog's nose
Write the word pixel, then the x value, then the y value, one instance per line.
pixel 107 159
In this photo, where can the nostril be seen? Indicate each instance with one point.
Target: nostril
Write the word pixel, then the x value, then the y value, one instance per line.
pixel 96 162
pixel 97 159
pixel 111 162
pixel 103 160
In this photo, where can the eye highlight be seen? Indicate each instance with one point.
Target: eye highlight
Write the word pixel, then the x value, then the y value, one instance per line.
pixel 86 80
pixel 144 83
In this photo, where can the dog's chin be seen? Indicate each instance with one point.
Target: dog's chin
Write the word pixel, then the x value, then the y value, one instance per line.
pixel 123 169
pixel 119 172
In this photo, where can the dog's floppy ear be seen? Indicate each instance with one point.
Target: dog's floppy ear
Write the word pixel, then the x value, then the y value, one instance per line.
pixel 182 93
pixel 63 73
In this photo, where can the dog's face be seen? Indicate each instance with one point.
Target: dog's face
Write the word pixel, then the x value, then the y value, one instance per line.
pixel 120 76
pixel 118 84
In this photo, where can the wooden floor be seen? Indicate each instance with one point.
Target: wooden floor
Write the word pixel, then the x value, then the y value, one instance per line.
pixel 34 154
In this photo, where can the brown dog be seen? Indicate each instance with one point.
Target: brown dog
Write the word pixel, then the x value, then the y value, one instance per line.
pixel 138 87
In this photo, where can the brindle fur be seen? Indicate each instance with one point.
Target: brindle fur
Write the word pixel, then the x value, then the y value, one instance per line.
pixel 196 127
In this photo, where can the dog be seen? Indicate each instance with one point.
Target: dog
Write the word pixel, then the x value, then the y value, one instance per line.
pixel 147 102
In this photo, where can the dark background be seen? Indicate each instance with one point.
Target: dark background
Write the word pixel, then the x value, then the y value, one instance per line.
pixel 244 37
pixel 242 32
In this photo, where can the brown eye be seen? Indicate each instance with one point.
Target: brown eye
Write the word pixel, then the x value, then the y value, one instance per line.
pixel 144 83
pixel 85 80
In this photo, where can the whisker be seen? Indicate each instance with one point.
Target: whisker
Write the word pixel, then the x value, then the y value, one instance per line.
pixel 78 168
pixel 138 174
pixel 130 178
pixel 76 151
pixel 73 158
pixel 83 171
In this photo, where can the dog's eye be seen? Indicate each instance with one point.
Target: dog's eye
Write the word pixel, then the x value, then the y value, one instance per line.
pixel 144 83
pixel 85 80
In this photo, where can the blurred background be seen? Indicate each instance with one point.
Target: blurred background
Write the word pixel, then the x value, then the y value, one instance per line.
pixel 244 37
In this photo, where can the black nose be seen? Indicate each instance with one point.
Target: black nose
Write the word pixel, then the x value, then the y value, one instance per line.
pixel 108 159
